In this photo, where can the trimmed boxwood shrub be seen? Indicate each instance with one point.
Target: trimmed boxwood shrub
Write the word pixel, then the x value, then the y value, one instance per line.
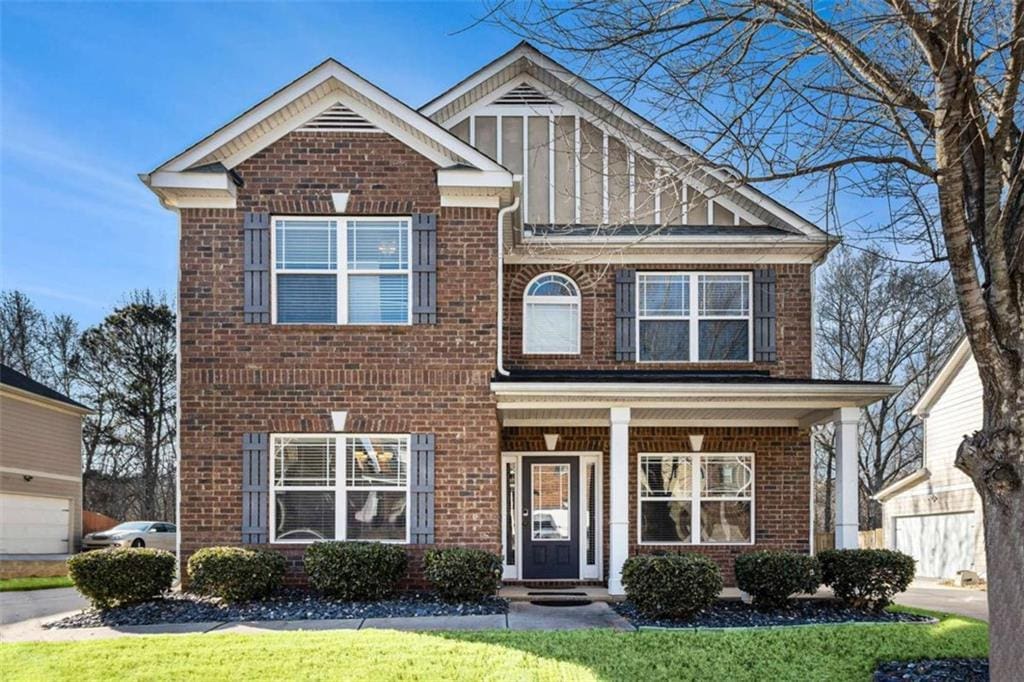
pixel 772 577
pixel 236 574
pixel 462 574
pixel 671 585
pixel 866 578
pixel 355 571
pixel 122 575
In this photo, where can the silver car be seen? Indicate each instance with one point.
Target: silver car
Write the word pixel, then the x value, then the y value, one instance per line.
pixel 155 534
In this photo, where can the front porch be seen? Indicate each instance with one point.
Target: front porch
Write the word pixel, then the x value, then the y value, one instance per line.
pixel 597 466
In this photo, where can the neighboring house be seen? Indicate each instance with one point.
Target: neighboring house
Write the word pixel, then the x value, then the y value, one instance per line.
pixel 40 468
pixel 934 514
pixel 520 318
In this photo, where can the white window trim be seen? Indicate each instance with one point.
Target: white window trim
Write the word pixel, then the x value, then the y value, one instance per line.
pixel 695 483
pixel 341 270
pixel 693 316
pixel 340 487
pixel 576 300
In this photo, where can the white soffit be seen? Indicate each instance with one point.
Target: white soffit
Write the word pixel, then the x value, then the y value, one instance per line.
pixel 495 75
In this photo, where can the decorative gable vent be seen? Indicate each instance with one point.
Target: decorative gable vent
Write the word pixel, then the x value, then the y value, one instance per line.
pixel 340 117
pixel 524 94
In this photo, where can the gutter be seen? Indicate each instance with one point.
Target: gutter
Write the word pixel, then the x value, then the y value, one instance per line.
pixel 500 359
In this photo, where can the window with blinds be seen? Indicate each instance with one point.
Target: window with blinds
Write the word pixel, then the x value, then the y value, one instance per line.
pixel 551 316
pixel 341 270
pixel 685 317
pixel 340 487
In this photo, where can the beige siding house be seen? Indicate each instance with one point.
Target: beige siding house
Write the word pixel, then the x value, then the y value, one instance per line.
pixel 40 468
pixel 935 514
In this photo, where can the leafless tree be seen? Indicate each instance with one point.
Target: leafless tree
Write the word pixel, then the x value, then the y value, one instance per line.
pixel 878 320
pixel 915 101
pixel 22 326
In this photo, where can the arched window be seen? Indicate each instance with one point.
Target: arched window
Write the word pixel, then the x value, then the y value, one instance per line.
pixel 551 315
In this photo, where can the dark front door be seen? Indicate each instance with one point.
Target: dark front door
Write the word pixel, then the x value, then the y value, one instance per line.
pixel 551 503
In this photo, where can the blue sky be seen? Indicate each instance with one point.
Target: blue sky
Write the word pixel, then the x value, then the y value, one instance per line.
pixel 93 94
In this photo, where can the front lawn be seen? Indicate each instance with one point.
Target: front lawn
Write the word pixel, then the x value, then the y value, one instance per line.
pixel 22 584
pixel 841 652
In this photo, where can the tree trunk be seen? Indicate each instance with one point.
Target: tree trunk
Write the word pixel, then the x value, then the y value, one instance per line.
pixel 994 459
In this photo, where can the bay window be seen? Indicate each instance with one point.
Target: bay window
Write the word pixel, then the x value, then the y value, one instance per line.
pixel 335 270
pixel 692 316
pixel 696 498
pixel 339 487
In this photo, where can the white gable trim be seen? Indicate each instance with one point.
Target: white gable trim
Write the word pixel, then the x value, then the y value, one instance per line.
pixel 330 69
pixel 526 51
pixel 950 370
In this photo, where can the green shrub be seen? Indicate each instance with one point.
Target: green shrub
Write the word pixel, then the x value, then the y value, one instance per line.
pixel 461 574
pixel 111 577
pixel 671 585
pixel 236 574
pixel 866 578
pixel 771 578
pixel 355 571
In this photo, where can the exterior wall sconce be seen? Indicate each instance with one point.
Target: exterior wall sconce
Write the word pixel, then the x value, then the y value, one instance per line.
pixel 551 441
pixel 338 420
pixel 696 441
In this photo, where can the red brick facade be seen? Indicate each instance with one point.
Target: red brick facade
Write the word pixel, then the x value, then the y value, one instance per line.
pixel 238 378
pixel 597 328
pixel 782 460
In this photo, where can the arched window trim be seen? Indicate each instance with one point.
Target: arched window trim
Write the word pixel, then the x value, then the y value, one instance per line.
pixel 531 299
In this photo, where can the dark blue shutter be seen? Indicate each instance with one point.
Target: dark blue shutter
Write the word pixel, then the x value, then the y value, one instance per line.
pixel 424 268
pixel 255 488
pixel 257 268
pixel 625 315
pixel 764 316
pixel 421 487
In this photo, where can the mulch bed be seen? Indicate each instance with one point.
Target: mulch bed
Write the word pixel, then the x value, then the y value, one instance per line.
pixel 736 614
pixel 291 605
pixel 954 670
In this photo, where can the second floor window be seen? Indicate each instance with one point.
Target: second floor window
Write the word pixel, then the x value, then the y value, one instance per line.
pixel 341 270
pixel 692 316
pixel 551 315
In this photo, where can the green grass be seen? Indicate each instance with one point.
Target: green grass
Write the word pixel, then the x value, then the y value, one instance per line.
pixel 22 584
pixel 832 653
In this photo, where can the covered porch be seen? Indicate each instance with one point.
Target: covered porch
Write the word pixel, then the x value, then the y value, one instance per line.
pixel 599 465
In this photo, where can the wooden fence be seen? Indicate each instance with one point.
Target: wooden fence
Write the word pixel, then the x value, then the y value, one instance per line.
pixel 866 539
pixel 94 522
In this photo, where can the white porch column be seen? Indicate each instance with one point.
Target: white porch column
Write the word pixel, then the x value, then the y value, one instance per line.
pixel 618 503
pixel 847 477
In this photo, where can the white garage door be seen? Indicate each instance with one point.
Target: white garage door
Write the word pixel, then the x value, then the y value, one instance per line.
pixel 34 525
pixel 942 543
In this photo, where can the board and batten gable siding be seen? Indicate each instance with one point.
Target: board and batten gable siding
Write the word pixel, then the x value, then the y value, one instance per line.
pixel 239 378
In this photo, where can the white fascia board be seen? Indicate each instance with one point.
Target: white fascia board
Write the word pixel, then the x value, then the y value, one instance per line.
pixel 957 360
pixel 901 485
pixel 470 200
pixel 186 180
pixel 309 81
pixel 659 240
pixel 812 395
pixel 618 109
pixel 678 253
pixel 469 177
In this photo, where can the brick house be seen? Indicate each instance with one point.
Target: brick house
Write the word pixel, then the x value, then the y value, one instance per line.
pixel 520 318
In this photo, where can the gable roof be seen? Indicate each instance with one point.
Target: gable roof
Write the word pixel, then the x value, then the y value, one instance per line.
pixel 525 60
pixel 956 361
pixel 12 378
pixel 195 172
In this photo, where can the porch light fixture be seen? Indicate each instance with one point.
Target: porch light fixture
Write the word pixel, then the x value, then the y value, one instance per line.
pixel 338 420
pixel 551 441
pixel 696 441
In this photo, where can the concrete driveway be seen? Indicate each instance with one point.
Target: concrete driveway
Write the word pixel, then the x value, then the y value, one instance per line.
pixel 931 595
pixel 16 607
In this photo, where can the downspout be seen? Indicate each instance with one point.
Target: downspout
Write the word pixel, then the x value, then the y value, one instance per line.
pixel 501 282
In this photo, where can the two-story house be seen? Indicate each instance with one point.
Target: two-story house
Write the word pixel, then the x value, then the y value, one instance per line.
pixel 520 318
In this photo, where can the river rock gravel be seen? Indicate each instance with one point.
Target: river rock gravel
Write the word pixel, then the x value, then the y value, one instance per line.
pixel 945 670
pixel 736 614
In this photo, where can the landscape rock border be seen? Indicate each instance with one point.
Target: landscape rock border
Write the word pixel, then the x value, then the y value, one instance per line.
pixel 933 670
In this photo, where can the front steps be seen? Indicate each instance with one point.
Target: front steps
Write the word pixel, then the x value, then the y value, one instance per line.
pixel 520 592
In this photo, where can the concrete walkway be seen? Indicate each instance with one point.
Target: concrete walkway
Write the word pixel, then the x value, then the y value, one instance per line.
pixel 521 616
pixel 928 594
pixel 20 606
